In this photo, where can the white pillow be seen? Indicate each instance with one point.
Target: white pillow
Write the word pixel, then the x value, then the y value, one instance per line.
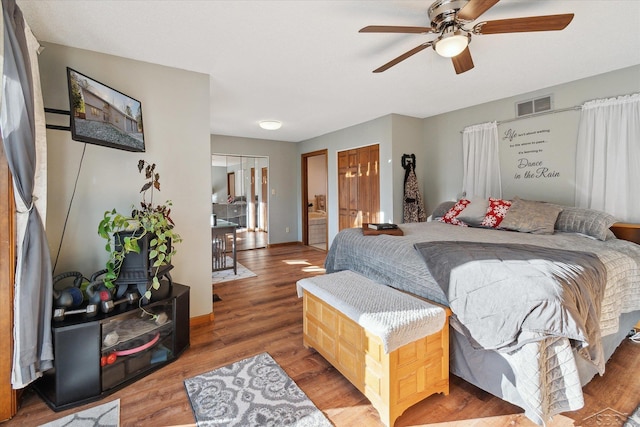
pixel 475 211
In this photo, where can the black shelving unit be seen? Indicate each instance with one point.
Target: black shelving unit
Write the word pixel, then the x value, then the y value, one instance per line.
pixel 96 356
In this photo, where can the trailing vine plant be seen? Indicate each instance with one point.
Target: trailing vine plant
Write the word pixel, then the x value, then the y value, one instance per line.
pixel 149 219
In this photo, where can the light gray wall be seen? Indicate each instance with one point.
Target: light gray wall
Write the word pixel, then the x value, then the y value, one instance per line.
pixel 175 108
pixel 284 169
pixel 396 135
pixel 378 131
pixel 407 137
pixel 443 140
pixel 219 183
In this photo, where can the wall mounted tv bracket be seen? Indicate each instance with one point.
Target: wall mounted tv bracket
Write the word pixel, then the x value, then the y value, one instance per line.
pixel 62 112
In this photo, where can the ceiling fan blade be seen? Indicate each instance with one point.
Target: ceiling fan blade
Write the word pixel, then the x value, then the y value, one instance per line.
pixel 463 61
pixel 402 57
pixel 521 25
pixel 472 10
pixel 396 29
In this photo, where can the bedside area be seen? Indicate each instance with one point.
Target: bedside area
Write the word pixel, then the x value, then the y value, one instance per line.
pixel 630 232
pixel 627 231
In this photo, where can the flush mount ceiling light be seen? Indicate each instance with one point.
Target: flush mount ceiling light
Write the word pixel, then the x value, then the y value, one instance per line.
pixel 452 42
pixel 270 124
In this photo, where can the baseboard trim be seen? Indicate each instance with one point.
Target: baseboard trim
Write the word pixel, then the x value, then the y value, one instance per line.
pixel 279 245
pixel 205 319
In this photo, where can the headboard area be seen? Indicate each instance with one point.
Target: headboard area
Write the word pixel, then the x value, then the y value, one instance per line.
pixel 626 231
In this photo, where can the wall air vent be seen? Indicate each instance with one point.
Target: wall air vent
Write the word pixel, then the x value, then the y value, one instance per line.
pixel 534 106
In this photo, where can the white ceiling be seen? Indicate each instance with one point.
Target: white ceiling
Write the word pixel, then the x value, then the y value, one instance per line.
pixel 304 62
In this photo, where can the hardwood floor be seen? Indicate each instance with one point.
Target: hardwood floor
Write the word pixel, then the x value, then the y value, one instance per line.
pixel 263 313
pixel 247 240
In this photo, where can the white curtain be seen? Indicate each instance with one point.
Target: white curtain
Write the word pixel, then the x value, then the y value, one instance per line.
pixel 481 161
pixel 608 157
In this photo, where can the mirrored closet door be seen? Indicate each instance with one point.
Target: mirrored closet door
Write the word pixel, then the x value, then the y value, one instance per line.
pixel 239 195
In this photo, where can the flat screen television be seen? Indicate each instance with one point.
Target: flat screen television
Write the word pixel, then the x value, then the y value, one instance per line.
pixel 102 115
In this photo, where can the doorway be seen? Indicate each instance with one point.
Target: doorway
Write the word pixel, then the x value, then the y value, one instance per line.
pixel 314 199
pixel 236 196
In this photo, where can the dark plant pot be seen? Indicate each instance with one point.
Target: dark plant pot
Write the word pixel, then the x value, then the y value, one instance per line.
pixel 136 272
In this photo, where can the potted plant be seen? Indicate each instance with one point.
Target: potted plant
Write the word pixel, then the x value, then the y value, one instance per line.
pixel 148 229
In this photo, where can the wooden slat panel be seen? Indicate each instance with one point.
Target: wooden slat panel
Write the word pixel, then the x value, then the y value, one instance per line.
pixel 374 184
pixel 358 186
pixel 343 191
pixel 392 382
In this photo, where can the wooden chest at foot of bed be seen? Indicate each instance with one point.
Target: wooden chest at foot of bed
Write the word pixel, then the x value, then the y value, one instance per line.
pixel 392 382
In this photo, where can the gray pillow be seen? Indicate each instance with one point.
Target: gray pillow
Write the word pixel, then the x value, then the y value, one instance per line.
pixel 475 212
pixel 529 216
pixel 442 209
pixel 585 221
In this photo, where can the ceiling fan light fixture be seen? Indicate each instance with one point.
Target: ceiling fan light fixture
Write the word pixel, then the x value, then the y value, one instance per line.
pixel 451 43
pixel 270 124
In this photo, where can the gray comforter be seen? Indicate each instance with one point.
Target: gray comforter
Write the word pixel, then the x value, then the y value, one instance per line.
pixel 520 293
pixel 393 261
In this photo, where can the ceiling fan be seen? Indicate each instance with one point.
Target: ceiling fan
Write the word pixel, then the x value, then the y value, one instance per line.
pixel 449 18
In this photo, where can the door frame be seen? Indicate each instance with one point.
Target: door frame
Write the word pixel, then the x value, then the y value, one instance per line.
pixel 264 210
pixel 305 192
pixel 240 176
pixel 8 396
pixel 231 184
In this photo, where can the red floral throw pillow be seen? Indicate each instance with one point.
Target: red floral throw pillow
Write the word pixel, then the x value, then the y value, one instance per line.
pixel 450 216
pixel 495 212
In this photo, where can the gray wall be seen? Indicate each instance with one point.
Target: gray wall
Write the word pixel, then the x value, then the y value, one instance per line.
pixel 284 169
pixel 437 143
pixel 175 108
pixel 396 135
pixel 406 137
pixel 219 183
pixel 443 140
pixel 378 131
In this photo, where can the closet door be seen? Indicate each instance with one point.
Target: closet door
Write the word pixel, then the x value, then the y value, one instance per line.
pixel 347 189
pixel 358 186
pixel 373 178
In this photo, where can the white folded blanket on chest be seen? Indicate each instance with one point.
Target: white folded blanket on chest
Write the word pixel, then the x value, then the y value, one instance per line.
pixel 397 318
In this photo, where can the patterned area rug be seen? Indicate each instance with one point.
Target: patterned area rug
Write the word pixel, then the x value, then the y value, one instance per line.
pixel 251 392
pixel 227 275
pixel 106 415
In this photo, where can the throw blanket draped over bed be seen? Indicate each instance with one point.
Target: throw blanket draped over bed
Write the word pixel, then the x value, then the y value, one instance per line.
pixel 542 376
pixel 520 293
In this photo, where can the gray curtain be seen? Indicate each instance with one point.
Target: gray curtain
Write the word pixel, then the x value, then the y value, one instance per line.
pixel 33 352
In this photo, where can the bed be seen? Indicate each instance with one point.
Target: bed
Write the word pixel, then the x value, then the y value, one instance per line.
pixel 317 217
pixel 540 369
